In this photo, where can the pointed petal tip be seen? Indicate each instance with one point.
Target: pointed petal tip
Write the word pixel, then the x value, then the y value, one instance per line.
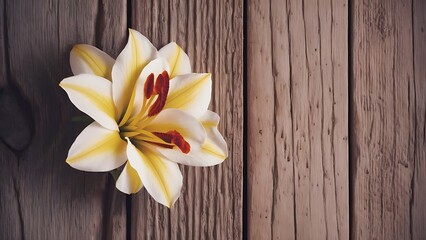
pixel 80 45
pixel 132 31
pixel 77 46
pixel 122 191
pixel 172 202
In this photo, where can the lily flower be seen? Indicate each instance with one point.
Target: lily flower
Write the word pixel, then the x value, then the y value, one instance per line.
pixel 150 113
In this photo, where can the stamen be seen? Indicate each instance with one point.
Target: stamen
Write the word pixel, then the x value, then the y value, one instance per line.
pixel 153 93
pixel 149 86
pixel 165 75
pixel 129 134
pixel 161 145
pixel 159 83
pixel 164 136
pixel 142 112
pixel 158 105
pixel 162 89
pixel 175 138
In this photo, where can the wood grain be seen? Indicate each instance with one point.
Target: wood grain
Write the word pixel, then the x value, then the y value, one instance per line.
pixel 41 197
pixel 210 205
pixel 3 47
pixel 388 114
pixel 298 82
pixel 297 120
pixel 418 146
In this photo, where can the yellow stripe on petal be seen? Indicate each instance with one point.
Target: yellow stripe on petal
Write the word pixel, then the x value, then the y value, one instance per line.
pixel 213 151
pixel 129 181
pixel 137 53
pixel 159 170
pixel 191 93
pixel 88 59
pixel 107 143
pixel 161 178
pixel 128 111
pixel 92 95
pixel 155 67
pixel 99 100
pixel 210 148
pixel 214 144
pixel 97 149
pixel 208 155
pixel 178 60
pixel 177 120
pixel 175 64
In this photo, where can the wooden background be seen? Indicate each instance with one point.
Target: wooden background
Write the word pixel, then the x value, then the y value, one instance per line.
pixel 323 106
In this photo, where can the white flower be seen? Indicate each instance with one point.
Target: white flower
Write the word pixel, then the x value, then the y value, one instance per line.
pixel 150 113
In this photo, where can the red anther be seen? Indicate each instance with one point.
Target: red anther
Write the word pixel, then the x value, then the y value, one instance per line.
pixel 162 89
pixel 158 105
pixel 149 86
pixel 165 75
pixel 159 84
pixel 164 136
pixel 175 138
pixel 180 142
pixel 166 84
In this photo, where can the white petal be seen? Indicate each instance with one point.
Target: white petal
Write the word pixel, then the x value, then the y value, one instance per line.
pixel 178 60
pixel 129 181
pixel 97 149
pixel 196 158
pixel 92 95
pixel 138 52
pixel 213 151
pixel 191 93
pixel 88 59
pixel 156 67
pixel 161 178
pixel 188 126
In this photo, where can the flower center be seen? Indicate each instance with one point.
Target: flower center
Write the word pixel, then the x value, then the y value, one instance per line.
pixel 155 96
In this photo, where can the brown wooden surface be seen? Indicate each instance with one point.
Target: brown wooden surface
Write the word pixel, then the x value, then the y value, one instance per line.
pixel 316 84
pixel 297 120
pixel 388 116
pixel 418 182
pixel 210 206
pixel 41 197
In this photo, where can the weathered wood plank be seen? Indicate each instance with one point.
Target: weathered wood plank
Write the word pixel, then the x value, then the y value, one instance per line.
pixel 297 120
pixel 9 206
pixel 388 110
pixel 418 191
pixel 210 206
pixel 41 197
pixel 3 47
